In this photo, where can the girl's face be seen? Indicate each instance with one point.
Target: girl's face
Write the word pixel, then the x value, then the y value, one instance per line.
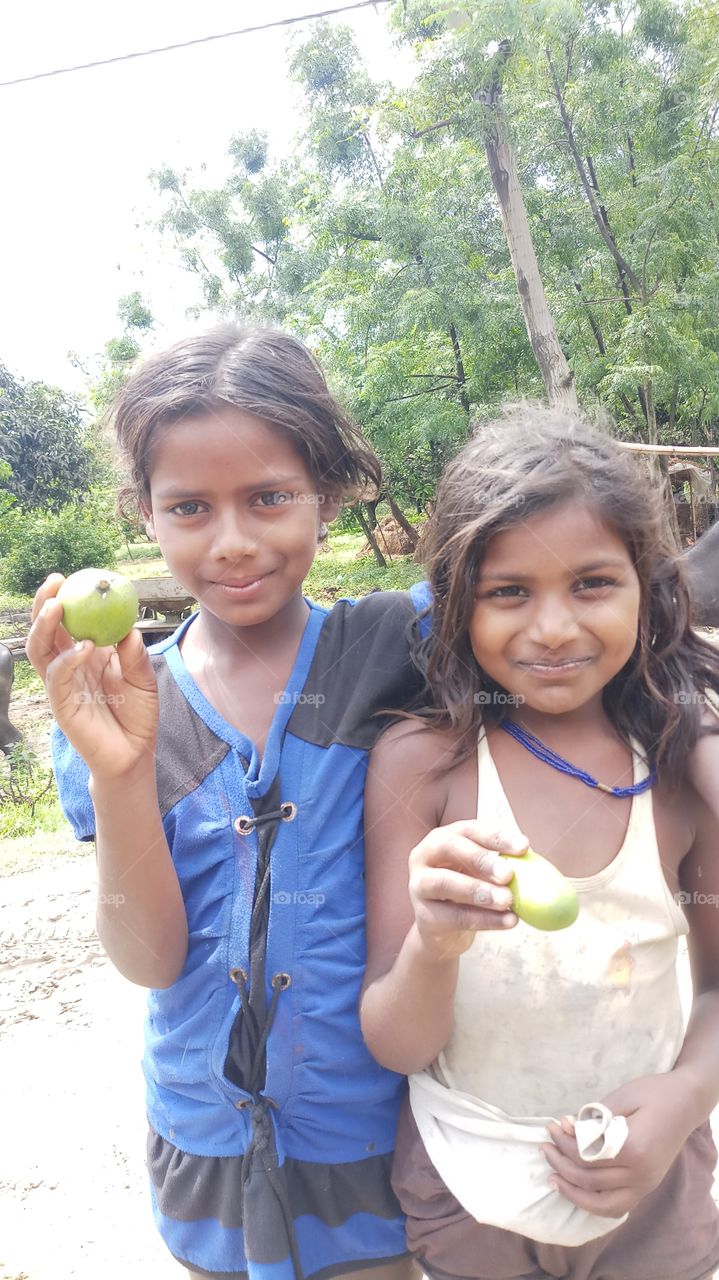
pixel 557 608
pixel 236 514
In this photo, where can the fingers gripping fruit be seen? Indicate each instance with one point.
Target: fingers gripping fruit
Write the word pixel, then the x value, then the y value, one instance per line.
pixel 98 605
pixel 541 895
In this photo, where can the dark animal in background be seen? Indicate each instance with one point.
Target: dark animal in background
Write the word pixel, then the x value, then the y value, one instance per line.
pixel 9 735
pixel 701 569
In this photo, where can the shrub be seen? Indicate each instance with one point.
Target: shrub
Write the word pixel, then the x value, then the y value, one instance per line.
pixel 39 543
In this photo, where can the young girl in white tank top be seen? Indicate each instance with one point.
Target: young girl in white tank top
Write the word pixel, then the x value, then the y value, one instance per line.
pixel 557 1115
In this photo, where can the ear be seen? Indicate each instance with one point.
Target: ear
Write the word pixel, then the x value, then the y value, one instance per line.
pixel 329 507
pixel 146 513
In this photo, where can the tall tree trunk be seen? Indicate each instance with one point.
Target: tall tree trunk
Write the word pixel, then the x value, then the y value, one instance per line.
pixel 658 465
pixel 361 519
pixel 650 412
pixel 541 331
pixel 401 519
pixel 594 323
pixel 459 367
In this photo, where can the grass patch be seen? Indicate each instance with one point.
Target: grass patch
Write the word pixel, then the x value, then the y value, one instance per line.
pixel 150 567
pixel 332 577
pixel 29 803
pixel 14 611
pixel 138 556
pixel 26 679
pixel 339 572
pixel 23 819
pixel 12 602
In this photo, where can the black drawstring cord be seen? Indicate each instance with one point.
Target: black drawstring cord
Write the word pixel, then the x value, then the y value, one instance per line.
pixel 280 982
pixel 248 822
pixel 262 1148
pixel 261 1155
pixel 262 1143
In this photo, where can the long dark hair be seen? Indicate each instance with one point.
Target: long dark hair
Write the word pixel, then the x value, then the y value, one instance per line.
pixel 526 462
pixel 263 372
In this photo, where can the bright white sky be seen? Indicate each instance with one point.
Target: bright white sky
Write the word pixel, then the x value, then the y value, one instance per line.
pixel 76 151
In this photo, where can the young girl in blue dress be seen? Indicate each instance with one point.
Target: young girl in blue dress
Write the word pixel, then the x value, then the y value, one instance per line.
pixel 558 1114
pixel 221 777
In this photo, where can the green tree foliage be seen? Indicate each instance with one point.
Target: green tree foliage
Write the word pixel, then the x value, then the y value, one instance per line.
pixel 62 541
pixel 52 456
pixel 120 353
pixel 380 240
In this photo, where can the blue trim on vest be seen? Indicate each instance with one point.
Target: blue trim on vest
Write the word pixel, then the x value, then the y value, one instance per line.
pixel 421 596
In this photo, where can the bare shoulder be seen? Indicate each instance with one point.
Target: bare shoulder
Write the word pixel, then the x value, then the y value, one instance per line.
pixel 703 765
pixel 410 772
pixel 415 744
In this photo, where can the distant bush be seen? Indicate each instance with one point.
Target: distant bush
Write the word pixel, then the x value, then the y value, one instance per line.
pixel 38 543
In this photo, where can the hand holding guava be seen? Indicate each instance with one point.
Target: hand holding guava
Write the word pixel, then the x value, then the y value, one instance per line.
pixel 98 605
pixel 104 698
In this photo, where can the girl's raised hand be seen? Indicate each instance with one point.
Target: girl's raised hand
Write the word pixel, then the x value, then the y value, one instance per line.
pixel 457 886
pixel 104 699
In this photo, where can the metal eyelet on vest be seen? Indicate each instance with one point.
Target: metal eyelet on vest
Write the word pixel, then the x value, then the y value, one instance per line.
pixel 242 1103
pixel 281 981
pixel 238 976
pixel 247 822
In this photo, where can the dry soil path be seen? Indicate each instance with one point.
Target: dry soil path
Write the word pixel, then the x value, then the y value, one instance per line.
pixel 72 1179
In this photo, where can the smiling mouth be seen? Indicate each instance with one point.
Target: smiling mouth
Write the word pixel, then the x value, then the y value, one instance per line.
pixel 567 664
pixel 243 584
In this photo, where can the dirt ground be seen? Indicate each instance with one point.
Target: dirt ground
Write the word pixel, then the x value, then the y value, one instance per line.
pixel 72 1177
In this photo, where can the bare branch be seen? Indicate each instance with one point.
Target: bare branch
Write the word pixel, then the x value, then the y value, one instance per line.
pixel 601 221
pixel 441 124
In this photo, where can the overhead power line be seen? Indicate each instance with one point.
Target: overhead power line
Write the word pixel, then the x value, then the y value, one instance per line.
pixel 185 44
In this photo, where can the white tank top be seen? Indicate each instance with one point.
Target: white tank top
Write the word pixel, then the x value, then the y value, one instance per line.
pixel 545 1022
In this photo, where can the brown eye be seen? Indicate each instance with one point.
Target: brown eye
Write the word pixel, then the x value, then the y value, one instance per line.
pixel 594 584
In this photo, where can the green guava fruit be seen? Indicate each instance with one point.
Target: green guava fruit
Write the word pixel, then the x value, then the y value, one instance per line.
pixel 98 605
pixel 541 895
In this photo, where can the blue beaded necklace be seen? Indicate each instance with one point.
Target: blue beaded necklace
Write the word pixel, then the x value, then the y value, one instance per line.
pixel 545 753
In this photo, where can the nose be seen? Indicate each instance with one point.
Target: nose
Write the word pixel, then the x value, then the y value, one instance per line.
pixel 553 622
pixel 233 536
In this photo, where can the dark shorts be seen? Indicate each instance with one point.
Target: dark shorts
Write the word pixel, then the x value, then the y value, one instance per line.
pixel 672 1235
pixel 342 1217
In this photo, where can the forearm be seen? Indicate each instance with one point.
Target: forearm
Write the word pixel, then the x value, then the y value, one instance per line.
pixel 407 1013
pixel 698 1062
pixel 141 918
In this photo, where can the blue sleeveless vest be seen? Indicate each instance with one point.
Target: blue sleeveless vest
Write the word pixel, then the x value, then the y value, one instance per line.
pixel 271 1127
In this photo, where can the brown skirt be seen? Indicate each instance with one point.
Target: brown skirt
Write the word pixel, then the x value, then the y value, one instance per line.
pixel 672 1235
